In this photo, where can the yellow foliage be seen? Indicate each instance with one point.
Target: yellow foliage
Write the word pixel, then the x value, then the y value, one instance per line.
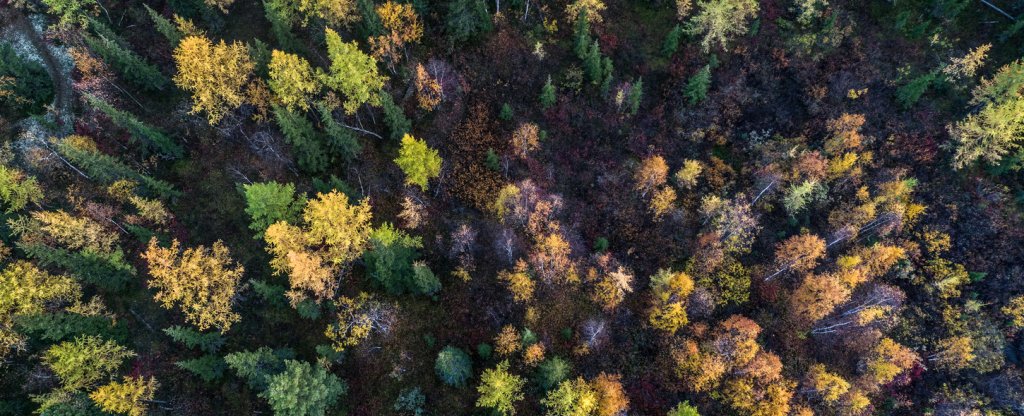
pixel 201 281
pixel 215 74
pixel 292 80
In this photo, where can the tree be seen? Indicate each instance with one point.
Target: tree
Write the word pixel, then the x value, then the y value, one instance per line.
pixel 132 67
pixel 612 399
pixel 208 367
pixel 24 291
pixel 547 95
pixel 827 386
pixel 303 390
pixel 164 26
pixel 334 234
pixel 25 86
pixel 292 80
pixel 307 142
pixel 398 124
pixel 651 174
pixel 128 397
pixel 585 9
pixel 209 342
pixel 71 12
pixel 270 202
pixel 683 409
pixel 571 398
pixel 82 153
pixel 257 367
pixel 525 139
pixel 663 201
pixel 390 262
pixel 466 20
pixel 887 360
pixel 402 26
pixel 799 253
pixel 154 140
pixel 671 44
pixel 551 372
pixel 995 130
pixel 721 20
pixel 86 361
pixel 518 282
pixel 418 161
pixel 453 366
pixel 697 86
pixel 352 73
pixel 17 189
pixel 954 353
pixel 636 93
pixel 201 281
pixel 215 74
pixel 670 291
pixel 500 390
pixel 1014 310
pixel 429 92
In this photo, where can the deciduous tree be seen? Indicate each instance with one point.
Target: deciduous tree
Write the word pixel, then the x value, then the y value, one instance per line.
pixel 418 161
pixel 202 281
pixel 215 74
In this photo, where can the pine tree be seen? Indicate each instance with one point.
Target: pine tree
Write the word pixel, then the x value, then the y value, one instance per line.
pixel 389 260
pixel 394 117
pixel 697 86
pixel 107 270
pixel 270 202
pixel 209 342
pixel 547 95
pixel 132 67
pixel 303 390
pixel 165 26
pixel 153 139
pixel 208 367
pixel 636 93
pixel 671 44
pixel 256 367
pixel 306 141
pixel 466 20
pixel 281 17
pixel 341 140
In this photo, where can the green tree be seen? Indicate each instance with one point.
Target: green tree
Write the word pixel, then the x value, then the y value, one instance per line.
pixel 394 117
pixel 683 409
pixel 208 342
pixel 547 95
pixel 721 20
pixel 154 140
pixel 466 20
pixel 418 161
pixel 25 86
pixel 82 153
pixel 697 87
pixel 998 128
pixel 165 26
pixel 552 371
pixel 281 16
pixel 132 67
pixel 303 390
pixel 671 44
pixel 86 361
pixel 208 367
pixel 390 262
pixel 270 202
pixel 340 139
pixel 571 398
pixel 500 390
pixel 453 366
pixel 307 143
pixel 352 73
pixel 71 12
pixel 256 367
pixel 636 94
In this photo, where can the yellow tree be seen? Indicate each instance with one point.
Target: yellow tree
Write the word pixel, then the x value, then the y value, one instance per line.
pixel 428 90
pixel 402 26
pixel 292 80
pixel 887 360
pixel 352 72
pixel 668 307
pixel 215 74
pixel 127 397
pixel 201 281
pixel 827 386
pixel 651 174
pixel 313 255
pixel 518 282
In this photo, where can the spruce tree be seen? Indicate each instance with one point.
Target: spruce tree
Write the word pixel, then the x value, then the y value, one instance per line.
pixel 154 140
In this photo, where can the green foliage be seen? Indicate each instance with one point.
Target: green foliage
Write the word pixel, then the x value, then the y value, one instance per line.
pixel 636 94
pixel 484 350
pixel 82 153
pixel 683 409
pixel 209 342
pixel 353 73
pixel 601 245
pixel 547 95
pixel 86 361
pixel 721 20
pixel 506 112
pixel 62 326
pixel 581 35
pixel 798 196
pixel 307 143
pixel 492 161
pixel 453 366
pixel 25 86
pixel 389 262
pixel 499 390
pixel 909 94
pixel 571 398
pixel 418 161
pixel 71 12
pixel 270 202
pixel 552 371
pixel 132 67
pixel 154 140
pixel 466 20
pixel 165 26
pixel 341 140
pixel 256 367
pixel 17 189
pixel 411 402
pixel 998 128
pixel 730 283
pixel 110 271
pixel 671 44
pixel 398 125
pixel 208 367
pixel 280 15
pixel 697 87
pixel 303 390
